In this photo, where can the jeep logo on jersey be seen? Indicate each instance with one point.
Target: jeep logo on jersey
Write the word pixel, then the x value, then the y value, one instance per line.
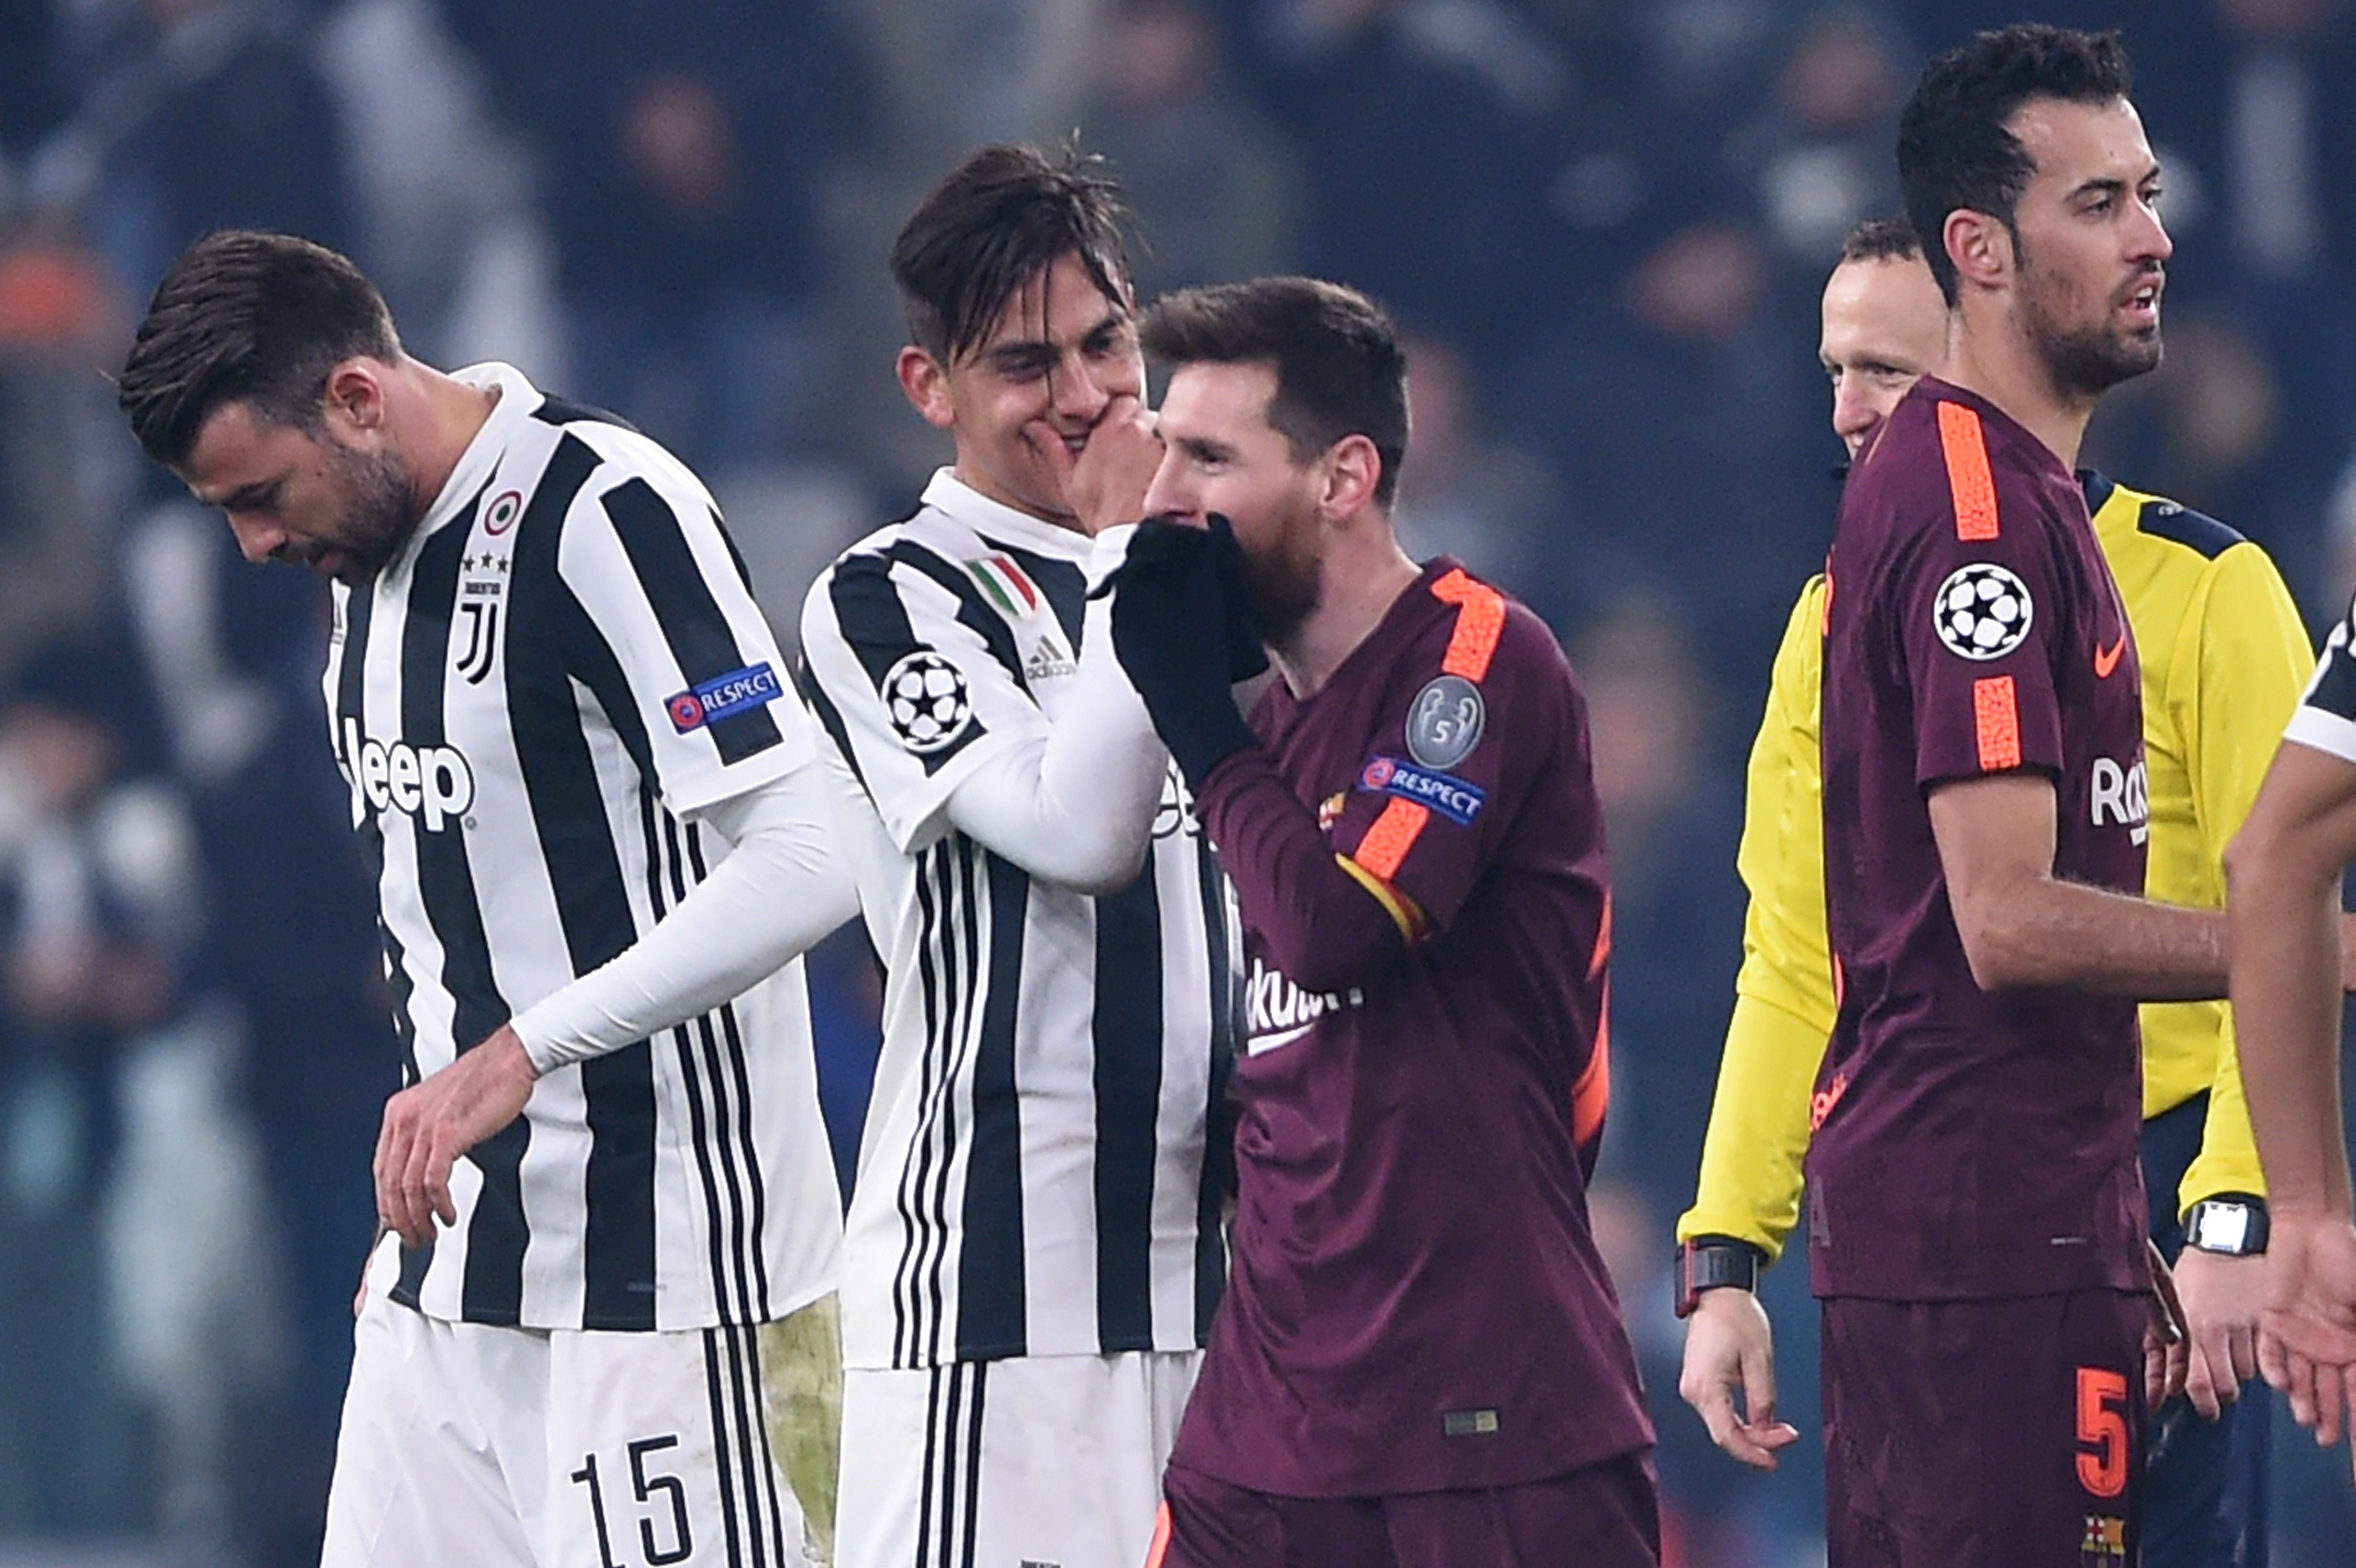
pixel 723 697
pixel 1444 723
pixel 1444 793
pixel 432 784
pixel 925 696
pixel 2123 797
pixel 1983 612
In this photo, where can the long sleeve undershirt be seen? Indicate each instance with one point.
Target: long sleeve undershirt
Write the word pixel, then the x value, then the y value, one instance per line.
pixel 781 890
pixel 1073 802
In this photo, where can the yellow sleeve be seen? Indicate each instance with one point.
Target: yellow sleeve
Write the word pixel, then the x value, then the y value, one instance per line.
pixel 2253 662
pixel 1750 1182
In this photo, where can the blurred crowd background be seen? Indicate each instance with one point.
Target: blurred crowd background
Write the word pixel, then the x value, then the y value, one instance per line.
pixel 1604 222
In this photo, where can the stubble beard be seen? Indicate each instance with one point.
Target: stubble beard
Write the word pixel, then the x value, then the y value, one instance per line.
pixel 2086 360
pixel 1288 580
pixel 382 513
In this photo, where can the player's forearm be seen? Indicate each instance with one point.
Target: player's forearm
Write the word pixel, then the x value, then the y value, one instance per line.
pixel 1323 928
pixel 1075 806
pixel 2285 991
pixel 782 888
pixel 2046 932
pixel 1751 1157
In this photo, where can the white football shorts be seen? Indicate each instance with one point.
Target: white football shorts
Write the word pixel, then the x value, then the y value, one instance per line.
pixel 466 1444
pixel 1045 1462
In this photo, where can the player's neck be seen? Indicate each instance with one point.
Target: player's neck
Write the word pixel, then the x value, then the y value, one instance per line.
pixel 1994 359
pixel 1363 578
pixel 442 415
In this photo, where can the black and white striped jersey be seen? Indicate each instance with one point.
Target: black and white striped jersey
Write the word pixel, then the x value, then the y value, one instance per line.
pixel 532 703
pixel 1031 1180
pixel 2326 716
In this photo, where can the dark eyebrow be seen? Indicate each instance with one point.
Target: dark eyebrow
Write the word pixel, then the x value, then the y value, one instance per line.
pixel 251 497
pixel 1204 448
pixel 2100 187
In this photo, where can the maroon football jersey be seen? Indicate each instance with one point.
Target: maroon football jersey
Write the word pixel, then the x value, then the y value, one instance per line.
pixel 1417 1302
pixel 1970 1142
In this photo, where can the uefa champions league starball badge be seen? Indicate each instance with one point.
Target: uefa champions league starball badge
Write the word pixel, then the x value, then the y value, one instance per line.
pixel 926 697
pixel 1983 612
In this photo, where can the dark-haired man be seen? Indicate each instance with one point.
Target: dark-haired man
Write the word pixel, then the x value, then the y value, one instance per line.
pixel 2224 656
pixel 1034 1240
pixel 1420 1361
pixel 597 837
pixel 1976 1207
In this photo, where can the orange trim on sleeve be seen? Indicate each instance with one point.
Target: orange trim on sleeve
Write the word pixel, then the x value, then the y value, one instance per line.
pixel 1479 622
pixel 1384 848
pixel 1591 1096
pixel 1602 940
pixel 1998 712
pixel 1159 1549
pixel 1404 911
pixel 1973 486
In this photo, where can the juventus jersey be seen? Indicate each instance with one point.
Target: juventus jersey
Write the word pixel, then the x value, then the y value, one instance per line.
pixel 531 704
pixel 1031 1180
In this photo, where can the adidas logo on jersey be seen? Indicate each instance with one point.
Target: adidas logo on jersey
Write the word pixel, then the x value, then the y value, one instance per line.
pixel 1049 660
pixel 432 784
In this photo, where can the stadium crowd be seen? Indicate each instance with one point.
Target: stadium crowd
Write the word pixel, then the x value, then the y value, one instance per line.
pixel 1604 224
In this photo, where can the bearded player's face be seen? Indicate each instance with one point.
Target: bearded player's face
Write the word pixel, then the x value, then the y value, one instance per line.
pixel 2091 253
pixel 1224 456
pixel 330 499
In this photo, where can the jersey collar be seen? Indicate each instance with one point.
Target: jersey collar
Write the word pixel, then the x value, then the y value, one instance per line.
pixel 480 461
pixel 961 503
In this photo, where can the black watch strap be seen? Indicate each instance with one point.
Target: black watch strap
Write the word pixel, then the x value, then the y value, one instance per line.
pixel 1707 1262
pixel 2232 1225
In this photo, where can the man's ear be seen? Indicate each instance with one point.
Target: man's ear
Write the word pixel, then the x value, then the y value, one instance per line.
pixel 356 393
pixel 1353 469
pixel 1980 246
pixel 925 381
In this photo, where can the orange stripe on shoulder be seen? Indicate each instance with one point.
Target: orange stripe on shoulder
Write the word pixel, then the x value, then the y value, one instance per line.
pixel 1160 1548
pixel 1384 848
pixel 1969 481
pixel 1996 708
pixel 1479 622
pixel 1591 1096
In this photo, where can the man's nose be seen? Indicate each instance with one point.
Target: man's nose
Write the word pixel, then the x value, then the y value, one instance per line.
pixel 1852 414
pixel 1164 497
pixel 257 539
pixel 1072 388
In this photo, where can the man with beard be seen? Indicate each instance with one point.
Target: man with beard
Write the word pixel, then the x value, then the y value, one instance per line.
pixel 1420 1361
pixel 1976 1206
pixel 597 837
pixel 2224 656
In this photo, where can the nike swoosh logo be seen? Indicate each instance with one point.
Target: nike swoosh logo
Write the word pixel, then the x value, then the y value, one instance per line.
pixel 2108 660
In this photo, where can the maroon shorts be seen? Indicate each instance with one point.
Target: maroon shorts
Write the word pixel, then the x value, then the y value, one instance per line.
pixel 1984 1434
pixel 1610 1510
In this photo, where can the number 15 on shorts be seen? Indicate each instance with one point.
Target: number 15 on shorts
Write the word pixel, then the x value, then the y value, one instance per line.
pixel 657 1503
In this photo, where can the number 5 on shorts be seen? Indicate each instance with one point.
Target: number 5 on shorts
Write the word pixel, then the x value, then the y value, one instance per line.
pixel 2103 1429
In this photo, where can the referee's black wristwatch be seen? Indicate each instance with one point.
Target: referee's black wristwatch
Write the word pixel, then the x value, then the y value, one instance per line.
pixel 1707 1262
pixel 2233 1225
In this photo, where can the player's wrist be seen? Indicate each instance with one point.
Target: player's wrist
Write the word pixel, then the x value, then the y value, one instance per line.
pixel 1716 1262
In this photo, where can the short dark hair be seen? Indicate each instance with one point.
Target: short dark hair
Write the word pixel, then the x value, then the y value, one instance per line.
pixel 1882 239
pixel 1954 149
pixel 1340 370
pixel 252 317
pixel 996 221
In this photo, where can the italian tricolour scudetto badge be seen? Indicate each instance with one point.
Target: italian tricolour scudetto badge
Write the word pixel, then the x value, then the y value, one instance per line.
pixel 1983 612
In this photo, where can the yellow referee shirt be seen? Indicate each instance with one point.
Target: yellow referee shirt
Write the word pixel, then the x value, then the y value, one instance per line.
pixel 2224 659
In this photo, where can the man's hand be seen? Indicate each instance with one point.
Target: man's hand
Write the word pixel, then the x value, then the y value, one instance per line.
pixel 2222 1295
pixel 1731 1351
pixel 430 1124
pixel 2167 1347
pixel 1105 483
pixel 2306 1333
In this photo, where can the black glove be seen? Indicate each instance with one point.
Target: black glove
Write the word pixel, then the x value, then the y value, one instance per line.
pixel 1166 601
pixel 1246 658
